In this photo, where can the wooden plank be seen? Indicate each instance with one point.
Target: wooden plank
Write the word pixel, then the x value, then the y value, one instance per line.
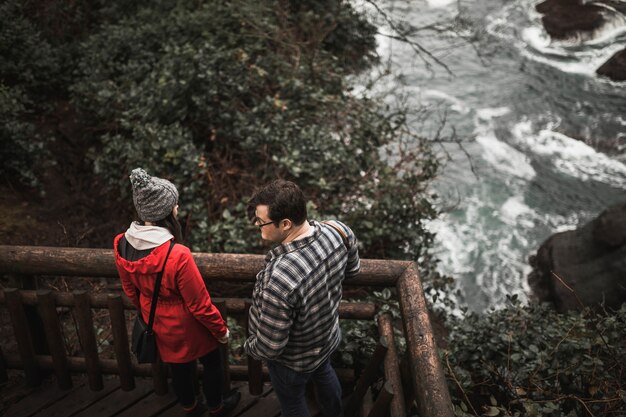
pixel 78 400
pixel 248 400
pixel 266 406
pixel 152 405
pixel 38 399
pixel 21 329
pixel 117 402
pixel 87 336
pixel 52 327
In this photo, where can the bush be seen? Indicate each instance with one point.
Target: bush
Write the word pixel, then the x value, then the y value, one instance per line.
pixel 225 97
pixel 21 149
pixel 27 68
pixel 533 361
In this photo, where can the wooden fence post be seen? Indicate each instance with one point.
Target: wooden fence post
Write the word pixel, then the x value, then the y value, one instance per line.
pixel 381 405
pixel 255 367
pixel 224 349
pixel 35 322
pixel 52 327
pixel 367 378
pixel 429 381
pixel 87 335
pixel 392 367
pixel 120 341
pixel 22 336
pixel 4 376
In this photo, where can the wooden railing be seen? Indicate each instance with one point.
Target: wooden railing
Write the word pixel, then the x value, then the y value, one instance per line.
pixel 33 315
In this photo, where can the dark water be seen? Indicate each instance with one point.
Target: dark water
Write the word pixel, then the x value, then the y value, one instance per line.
pixel 549 136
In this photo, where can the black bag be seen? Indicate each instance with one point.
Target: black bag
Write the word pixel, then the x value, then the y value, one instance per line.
pixel 143 343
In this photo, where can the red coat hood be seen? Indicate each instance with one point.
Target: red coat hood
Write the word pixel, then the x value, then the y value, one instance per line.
pixel 151 264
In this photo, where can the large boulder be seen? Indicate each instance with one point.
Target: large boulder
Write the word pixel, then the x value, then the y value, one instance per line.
pixel 615 67
pixel 565 19
pixel 584 267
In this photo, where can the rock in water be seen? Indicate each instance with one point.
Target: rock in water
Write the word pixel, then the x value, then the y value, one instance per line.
pixel 564 19
pixel 615 67
pixel 591 261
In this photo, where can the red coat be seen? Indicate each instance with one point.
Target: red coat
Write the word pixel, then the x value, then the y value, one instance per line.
pixel 186 323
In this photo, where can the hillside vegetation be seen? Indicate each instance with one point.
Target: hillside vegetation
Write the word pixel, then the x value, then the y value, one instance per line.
pixel 223 96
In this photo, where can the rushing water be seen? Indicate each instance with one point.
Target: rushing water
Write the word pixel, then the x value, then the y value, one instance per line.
pixel 549 136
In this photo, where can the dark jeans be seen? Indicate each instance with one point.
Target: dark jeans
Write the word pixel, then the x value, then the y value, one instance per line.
pixel 290 387
pixel 183 380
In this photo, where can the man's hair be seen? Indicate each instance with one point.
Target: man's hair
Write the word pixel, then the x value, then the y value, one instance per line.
pixel 284 199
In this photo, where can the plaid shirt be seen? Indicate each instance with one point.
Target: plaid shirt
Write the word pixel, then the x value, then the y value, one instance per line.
pixel 294 315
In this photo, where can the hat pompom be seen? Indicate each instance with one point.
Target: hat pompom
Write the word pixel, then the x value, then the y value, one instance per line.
pixel 139 178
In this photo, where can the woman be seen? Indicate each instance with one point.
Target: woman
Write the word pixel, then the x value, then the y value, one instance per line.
pixel 187 326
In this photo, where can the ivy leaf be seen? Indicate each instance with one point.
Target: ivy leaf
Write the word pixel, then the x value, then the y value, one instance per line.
pixel 492 411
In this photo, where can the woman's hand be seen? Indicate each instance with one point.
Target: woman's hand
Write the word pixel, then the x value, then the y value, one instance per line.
pixel 224 340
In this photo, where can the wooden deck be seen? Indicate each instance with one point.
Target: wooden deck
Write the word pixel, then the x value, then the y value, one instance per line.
pixel 49 401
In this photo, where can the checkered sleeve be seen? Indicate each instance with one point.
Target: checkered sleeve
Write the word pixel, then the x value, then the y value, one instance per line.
pixel 353 265
pixel 270 321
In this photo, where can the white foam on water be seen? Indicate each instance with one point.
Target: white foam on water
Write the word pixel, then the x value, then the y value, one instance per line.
pixel 499 154
pixel 456 104
pixel 505 158
pixel 539 40
pixel 514 212
pixel 454 246
pixel 470 246
pixel 439 3
pixel 584 63
pixel 608 33
pixel 571 156
pixel 486 114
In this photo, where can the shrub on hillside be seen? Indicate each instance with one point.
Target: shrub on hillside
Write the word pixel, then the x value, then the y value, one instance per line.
pixel 223 97
pixel 533 361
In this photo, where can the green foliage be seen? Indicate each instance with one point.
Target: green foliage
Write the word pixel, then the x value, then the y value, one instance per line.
pixel 20 146
pixel 533 361
pixel 28 60
pixel 226 96
pixel 27 68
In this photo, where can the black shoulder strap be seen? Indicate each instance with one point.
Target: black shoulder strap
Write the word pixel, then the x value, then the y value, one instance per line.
pixel 343 235
pixel 157 287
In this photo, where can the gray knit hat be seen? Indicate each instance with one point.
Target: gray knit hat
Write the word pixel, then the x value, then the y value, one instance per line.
pixel 154 197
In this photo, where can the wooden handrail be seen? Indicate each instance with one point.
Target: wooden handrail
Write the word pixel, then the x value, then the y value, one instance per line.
pixel 426 374
pixel 235 306
pixel 86 262
pixel 429 381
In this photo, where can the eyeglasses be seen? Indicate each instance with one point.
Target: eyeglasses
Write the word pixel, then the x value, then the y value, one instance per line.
pixel 257 223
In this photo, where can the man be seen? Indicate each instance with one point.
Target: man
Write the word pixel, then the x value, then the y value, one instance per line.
pixel 294 319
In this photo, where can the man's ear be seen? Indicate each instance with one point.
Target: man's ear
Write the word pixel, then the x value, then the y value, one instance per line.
pixel 287 224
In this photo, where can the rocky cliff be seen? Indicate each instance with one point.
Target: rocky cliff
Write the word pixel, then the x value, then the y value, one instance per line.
pixel 590 261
